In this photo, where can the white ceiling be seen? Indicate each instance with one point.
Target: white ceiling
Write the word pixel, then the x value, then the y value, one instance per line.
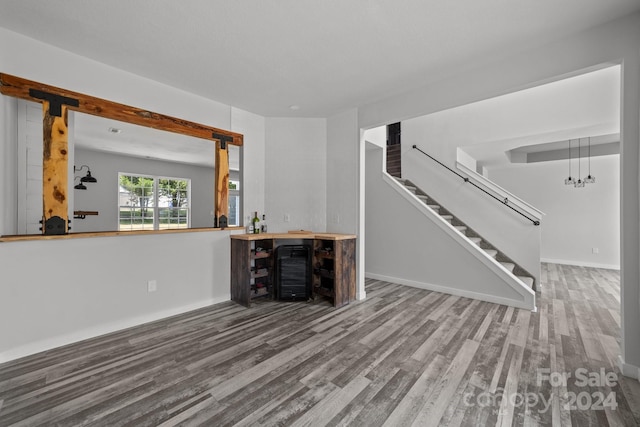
pixel 322 55
pixel 503 129
pixel 97 133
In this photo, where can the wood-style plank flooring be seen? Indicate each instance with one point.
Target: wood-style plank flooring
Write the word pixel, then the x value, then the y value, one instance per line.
pixel 403 357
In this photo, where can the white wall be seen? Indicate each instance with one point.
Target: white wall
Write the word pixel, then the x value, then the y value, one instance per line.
pixel 296 174
pixel 343 185
pixel 614 42
pixel 253 153
pixel 60 291
pixel 102 196
pixel 467 160
pixel 342 173
pixel 377 136
pixel 57 291
pixel 577 219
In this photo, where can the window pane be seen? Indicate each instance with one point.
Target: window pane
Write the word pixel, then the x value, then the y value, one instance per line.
pixel 233 210
pixel 173 199
pixel 172 218
pixel 137 201
pixel 135 218
pixel 234 203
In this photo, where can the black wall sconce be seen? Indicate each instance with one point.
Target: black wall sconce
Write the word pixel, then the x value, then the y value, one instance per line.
pixel 86 178
pixel 80 185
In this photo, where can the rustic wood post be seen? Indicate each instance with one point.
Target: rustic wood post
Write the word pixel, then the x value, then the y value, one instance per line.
pixel 221 196
pixel 55 203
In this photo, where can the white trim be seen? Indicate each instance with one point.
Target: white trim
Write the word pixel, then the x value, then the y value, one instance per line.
pixel 628 370
pixel 513 199
pixel 452 291
pixel 581 263
pixel 528 295
pixel 361 293
pixel 70 338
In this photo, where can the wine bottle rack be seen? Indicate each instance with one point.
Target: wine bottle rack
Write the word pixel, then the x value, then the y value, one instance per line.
pixel 333 266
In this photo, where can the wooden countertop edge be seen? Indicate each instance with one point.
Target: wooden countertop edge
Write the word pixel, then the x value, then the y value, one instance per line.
pixel 294 235
pixel 27 237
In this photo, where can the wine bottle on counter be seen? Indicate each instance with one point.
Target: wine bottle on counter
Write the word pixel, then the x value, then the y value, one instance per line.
pixel 249 225
pixel 256 223
pixel 263 225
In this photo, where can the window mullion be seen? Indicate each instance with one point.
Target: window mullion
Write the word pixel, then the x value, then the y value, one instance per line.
pixel 156 212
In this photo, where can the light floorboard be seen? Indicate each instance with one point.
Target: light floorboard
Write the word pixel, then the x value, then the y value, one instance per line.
pixel 403 357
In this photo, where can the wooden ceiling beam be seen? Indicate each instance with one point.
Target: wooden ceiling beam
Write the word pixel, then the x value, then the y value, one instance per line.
pixel 25 89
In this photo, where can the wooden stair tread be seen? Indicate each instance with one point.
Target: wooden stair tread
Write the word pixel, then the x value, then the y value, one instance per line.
pixel 526 280
pixel 476 240
pixel 491 252
pixel 508 265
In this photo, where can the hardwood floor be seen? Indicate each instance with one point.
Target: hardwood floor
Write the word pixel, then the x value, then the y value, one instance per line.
pixel 404 356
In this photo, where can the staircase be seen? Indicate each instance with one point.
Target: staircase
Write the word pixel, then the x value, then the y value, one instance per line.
pixel 474 237
pixel 394 160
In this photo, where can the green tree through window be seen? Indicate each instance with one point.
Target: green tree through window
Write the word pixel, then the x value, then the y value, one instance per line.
pixel 153 203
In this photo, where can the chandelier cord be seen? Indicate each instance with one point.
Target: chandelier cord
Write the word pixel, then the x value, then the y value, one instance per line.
pixel 589 157
pixel 569 158
pixel 579 172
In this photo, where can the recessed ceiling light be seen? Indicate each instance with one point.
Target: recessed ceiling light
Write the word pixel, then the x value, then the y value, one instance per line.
pixel 115 130
pixel 294 107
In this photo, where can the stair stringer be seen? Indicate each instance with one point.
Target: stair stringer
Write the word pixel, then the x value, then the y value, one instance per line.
pixel 470 233
pixel 505 229
pixel 527 294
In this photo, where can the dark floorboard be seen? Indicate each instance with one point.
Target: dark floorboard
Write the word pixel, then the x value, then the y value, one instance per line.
pixel 402 357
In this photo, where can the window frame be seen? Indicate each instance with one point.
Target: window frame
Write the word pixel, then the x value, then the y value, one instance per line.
pixel 155 200
pixel 235 193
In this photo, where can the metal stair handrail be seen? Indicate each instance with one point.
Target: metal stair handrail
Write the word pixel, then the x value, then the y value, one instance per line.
pixel 466 179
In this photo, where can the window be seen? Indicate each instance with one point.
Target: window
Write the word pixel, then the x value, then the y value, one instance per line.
pixel 153 203
pixel 234 203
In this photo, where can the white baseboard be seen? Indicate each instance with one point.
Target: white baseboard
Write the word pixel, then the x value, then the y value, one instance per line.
pixel 72 337
pixel 581 263
pixel 452 291
pixel 628 370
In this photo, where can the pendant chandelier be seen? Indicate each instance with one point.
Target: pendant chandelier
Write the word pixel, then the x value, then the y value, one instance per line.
pixel 569 180
pixel 590 179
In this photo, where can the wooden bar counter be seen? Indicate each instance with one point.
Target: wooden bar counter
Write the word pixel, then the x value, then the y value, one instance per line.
pixel 333 265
